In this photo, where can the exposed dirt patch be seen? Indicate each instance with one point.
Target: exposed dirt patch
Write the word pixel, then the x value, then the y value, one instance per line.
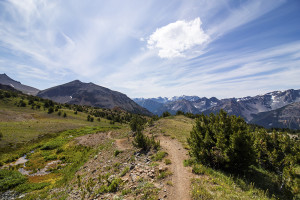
pixel 123 144
pixel 8 116
pixel 181 177
pixel 91 140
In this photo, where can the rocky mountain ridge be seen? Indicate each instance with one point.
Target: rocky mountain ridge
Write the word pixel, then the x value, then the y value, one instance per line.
pixel 246 107
pixel 90 94
pixel 6 80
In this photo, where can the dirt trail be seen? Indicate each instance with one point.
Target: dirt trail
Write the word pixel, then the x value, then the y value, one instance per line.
pixel 122 144
pixel 181 175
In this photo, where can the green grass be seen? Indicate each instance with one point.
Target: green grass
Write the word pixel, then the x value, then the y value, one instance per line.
pixel 168 161
pixel 159 156
pixel 163 174
pixel 178 127
pixel 124 172
pixel 10 179
pixel 22 124
pixel 256 184
pixel 73 155
pixel 149 191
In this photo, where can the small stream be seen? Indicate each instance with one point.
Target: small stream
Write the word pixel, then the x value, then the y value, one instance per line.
pixel 22 170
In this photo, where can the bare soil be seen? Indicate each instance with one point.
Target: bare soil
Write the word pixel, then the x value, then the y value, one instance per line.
pixel 91 139
pixel 181 177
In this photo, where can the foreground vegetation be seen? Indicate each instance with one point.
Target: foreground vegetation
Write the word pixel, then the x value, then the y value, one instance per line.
pixel 226 143
pixel 272 170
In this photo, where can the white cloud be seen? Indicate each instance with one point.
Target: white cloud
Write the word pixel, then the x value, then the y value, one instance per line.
pixel 175 38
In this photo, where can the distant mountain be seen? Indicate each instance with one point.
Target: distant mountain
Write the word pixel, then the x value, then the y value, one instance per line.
pixel 245 107
pixel 248 106
pixel 174 106
pixel 149 104
pixel 192 104
pixel 6 80
pixel 285 117
pixel 77 92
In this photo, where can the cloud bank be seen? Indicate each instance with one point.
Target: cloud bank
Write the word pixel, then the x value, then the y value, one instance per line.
pixel 175 38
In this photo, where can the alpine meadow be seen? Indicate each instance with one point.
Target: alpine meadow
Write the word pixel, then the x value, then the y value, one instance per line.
pixel 150 100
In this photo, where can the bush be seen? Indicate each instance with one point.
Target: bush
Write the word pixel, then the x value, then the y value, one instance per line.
pixel 22 103
pixel 222 141
pixel 50 110
pixel 137 123
pixel 117 152
pixel 10 179
pixel 51 145
pixel 166 114
pixel 114 185
pixel 141 141
pixel 179 112
pixel 28 187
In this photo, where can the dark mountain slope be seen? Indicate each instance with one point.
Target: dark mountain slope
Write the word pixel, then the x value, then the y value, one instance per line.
pixel 6 80
pixel 8 88
pixel 77 92
pixel 285 117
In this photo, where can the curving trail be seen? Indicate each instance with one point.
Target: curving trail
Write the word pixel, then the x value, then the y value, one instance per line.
pixel 181 175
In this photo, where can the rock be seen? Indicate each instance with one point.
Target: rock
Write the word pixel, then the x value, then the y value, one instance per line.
pixel 132 166
pixel 133 187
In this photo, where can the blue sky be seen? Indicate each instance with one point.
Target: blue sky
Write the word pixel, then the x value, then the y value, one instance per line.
pixel 154 48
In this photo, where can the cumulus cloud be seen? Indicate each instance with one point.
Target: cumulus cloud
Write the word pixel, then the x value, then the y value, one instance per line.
pixel 175 38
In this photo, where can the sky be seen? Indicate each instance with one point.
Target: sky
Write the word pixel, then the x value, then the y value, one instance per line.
pixel 149 48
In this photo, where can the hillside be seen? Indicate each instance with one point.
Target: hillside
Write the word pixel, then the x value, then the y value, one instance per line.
pixel 26 118
pixel 79 93
pixel 5 80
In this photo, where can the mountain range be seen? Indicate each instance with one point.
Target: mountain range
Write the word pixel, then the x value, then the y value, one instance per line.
pixel 274 109
pixel 257 109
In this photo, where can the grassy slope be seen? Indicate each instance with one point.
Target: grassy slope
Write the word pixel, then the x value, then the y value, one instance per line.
pixel 22 124
pixel 178 127
pixel 214 184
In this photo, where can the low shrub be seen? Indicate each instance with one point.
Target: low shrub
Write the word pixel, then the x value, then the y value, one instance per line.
pixel 10 179
pixel 159 156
